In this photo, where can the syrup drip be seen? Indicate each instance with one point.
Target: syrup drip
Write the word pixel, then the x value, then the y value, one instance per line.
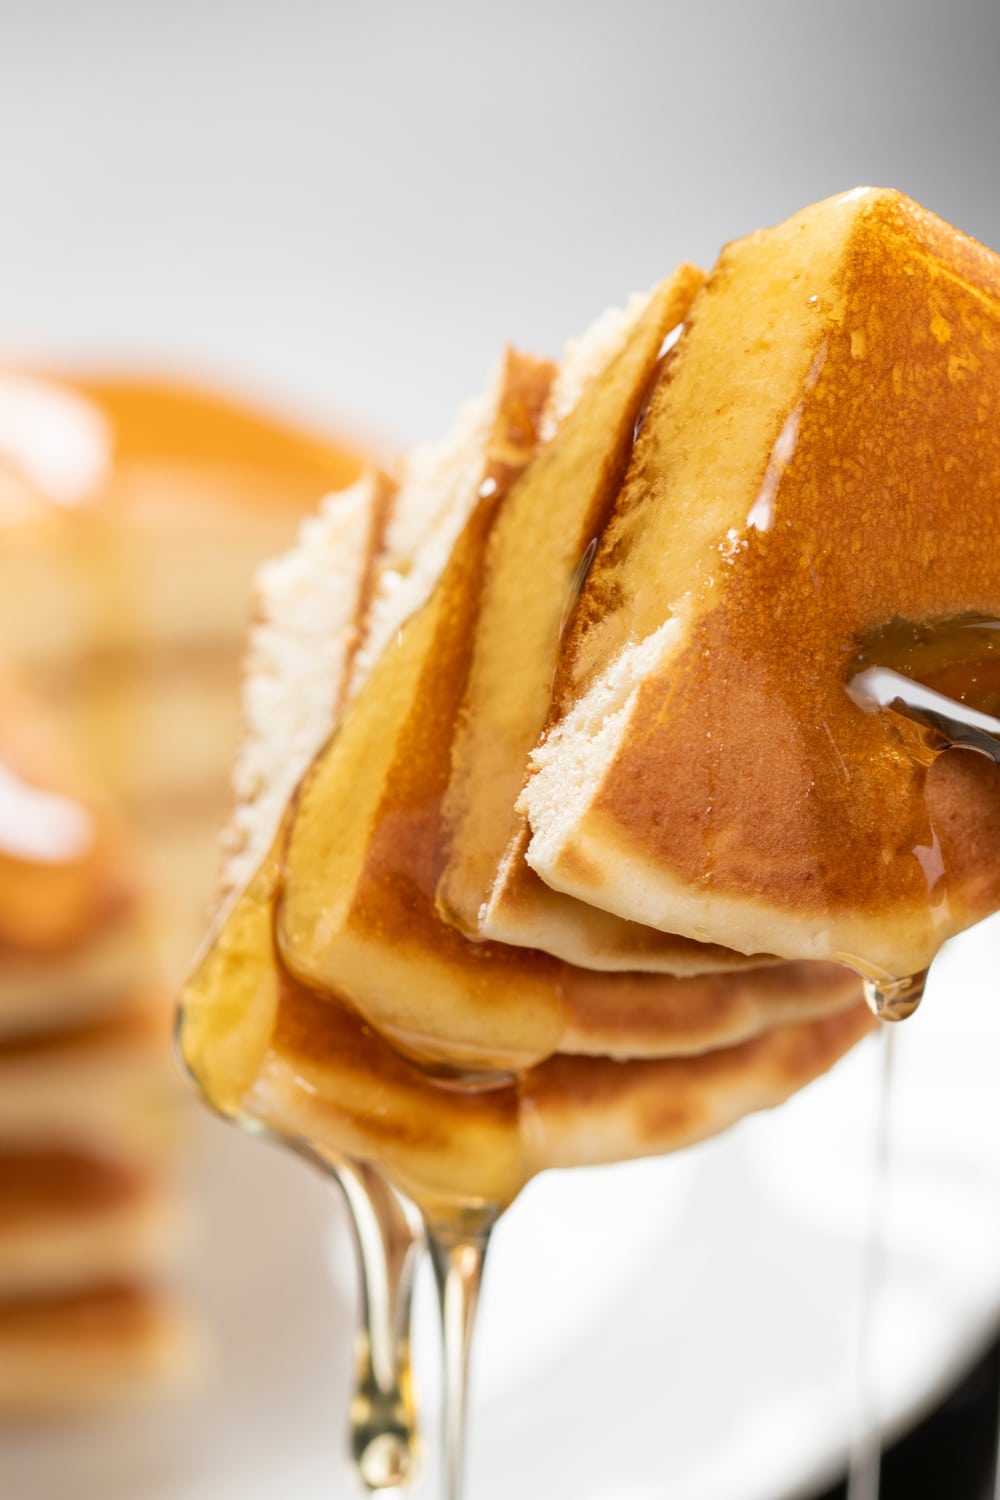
pixel 864 1466
pixel 576 584
pixel 382 1416
pixel 895 999
pixel 458 1248
pixel 384 1438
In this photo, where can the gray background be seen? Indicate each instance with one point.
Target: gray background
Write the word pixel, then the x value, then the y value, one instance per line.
pixel 350 206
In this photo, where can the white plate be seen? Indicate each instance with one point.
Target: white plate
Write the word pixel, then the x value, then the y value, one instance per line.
pixel 681 1328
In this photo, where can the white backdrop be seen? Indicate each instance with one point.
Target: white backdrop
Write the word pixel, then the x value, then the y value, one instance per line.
pixel 352 205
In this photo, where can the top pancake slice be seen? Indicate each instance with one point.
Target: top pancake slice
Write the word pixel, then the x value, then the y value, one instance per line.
pixel 821 458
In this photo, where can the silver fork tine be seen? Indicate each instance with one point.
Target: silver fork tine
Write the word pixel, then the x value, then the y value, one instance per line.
pixel 960 725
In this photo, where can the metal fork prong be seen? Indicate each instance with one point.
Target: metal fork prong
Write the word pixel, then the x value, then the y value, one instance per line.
pixel 956 723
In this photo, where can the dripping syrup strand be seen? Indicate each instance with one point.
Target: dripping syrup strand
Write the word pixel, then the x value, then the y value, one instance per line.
pixel 864 1465
pixel 384 1437
pixel 458 1256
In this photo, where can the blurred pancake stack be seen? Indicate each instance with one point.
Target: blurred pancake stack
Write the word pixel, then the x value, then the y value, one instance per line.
pixel 88 1215
pixel 132 515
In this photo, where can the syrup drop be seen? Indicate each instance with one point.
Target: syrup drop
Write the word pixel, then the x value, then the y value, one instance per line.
pixel 895 999
pixel 386 1463
pixel 384 1438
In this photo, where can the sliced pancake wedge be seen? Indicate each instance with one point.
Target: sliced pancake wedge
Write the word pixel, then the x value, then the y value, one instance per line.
pixel 542 536
pixel 653 1015
pixel 231 1001
pixel 363 848
pixel 819 459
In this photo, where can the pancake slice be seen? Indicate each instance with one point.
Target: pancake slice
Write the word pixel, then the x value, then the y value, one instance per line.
pixel 311 606
pixel 392 937
pixel 363 850
pixel 817 462
pixel 550 522
pixel 334 1003
pixel 650 1015
pixel 329 1077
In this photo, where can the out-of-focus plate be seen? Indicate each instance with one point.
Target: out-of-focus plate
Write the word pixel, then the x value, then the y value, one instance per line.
pixel 677 1328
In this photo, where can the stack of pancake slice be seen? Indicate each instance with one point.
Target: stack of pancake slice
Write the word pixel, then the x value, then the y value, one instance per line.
pixel 88 1216
pixel 132 516
pixel 560 838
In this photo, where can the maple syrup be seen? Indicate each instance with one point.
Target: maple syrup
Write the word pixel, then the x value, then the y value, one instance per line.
pixel 458 1255
pixel 384 1439
pixel 896 999
pixel 958 657
pixel 864 1468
